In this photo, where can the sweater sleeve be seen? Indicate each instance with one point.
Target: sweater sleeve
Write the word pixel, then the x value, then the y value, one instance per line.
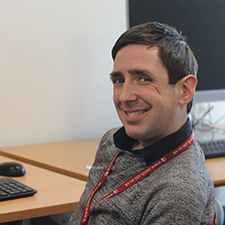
pixel 180 205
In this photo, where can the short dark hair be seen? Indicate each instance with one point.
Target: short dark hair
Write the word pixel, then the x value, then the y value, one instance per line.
pixel 175 53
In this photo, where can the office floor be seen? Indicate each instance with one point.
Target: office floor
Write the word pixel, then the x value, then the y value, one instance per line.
pixel 60 219
pixel 36 221
pixel 43 221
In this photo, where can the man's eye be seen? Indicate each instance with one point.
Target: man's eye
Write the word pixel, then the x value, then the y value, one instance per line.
pixel 118 81
pixel 144 79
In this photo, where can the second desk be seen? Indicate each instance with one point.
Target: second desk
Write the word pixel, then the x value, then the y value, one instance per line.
pixel 70 158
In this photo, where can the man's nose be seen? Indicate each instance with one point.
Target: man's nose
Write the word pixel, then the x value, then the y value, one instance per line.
pixel 128 92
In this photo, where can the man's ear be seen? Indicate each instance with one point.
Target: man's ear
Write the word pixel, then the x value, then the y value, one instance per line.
pixel 187 85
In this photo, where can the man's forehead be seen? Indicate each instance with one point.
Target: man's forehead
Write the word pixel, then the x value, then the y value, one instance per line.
pixel 133 46
pixel 137 59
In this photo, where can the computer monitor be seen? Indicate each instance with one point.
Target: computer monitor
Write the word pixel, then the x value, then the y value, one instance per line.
pixel 203 22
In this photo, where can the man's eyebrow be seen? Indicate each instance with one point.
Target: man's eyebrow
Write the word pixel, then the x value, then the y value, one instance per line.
pixel 139 72
pixel 114 75
pixel 118 74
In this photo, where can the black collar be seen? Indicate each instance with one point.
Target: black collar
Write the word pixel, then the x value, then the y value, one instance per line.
pixel 158 149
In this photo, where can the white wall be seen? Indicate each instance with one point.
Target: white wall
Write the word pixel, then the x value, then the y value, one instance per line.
pixel 54 69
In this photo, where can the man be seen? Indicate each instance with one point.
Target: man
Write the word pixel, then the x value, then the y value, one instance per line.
pixel 150 171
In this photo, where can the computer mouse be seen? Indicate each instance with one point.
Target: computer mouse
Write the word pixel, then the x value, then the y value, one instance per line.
pixel 12 169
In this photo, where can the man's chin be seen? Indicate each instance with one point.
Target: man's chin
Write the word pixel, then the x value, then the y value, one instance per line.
pixel 133 133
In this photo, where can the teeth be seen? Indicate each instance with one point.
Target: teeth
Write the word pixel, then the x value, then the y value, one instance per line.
pixel 136 113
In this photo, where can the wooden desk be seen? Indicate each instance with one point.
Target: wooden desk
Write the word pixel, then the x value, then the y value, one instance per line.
pixel 66 157
pixel 56 194
pixel 216 167
pixel 72 157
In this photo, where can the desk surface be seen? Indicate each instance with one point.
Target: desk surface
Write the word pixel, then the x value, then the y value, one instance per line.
pixel 50 199
pixel 66 157
pixel 216 167
pixel 72 157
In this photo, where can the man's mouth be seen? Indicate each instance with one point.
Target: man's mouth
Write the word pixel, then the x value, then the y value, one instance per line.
pixel 136 112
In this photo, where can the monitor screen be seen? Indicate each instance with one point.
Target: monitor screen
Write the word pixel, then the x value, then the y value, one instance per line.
pixel 203 22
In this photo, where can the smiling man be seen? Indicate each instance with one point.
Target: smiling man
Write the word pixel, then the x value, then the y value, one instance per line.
pixel 151 170
pixel 146 103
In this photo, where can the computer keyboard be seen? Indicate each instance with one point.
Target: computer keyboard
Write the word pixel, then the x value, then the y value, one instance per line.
pixel 12 189
pixel 213 149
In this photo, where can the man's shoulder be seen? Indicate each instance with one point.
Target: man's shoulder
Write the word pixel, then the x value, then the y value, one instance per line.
pixel 108 136
pixel 106 145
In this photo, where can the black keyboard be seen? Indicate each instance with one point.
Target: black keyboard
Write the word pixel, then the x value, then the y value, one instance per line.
pixel 213 149
pixel 11 189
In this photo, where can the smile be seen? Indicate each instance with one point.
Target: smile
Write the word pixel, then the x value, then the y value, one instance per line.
pixel 136 112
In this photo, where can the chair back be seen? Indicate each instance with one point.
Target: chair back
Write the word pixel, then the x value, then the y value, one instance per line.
pixel 219 217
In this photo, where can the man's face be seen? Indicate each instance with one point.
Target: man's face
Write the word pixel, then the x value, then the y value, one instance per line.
pixel 145 102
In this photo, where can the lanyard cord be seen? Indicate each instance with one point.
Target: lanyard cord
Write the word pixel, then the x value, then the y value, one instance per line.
pixel 139 176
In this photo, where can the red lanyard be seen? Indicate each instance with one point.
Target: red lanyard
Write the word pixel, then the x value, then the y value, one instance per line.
pixel 139 176
pixel 213 222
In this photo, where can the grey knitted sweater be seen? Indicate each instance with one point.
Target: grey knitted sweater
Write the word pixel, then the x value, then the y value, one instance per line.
pixel 179 192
